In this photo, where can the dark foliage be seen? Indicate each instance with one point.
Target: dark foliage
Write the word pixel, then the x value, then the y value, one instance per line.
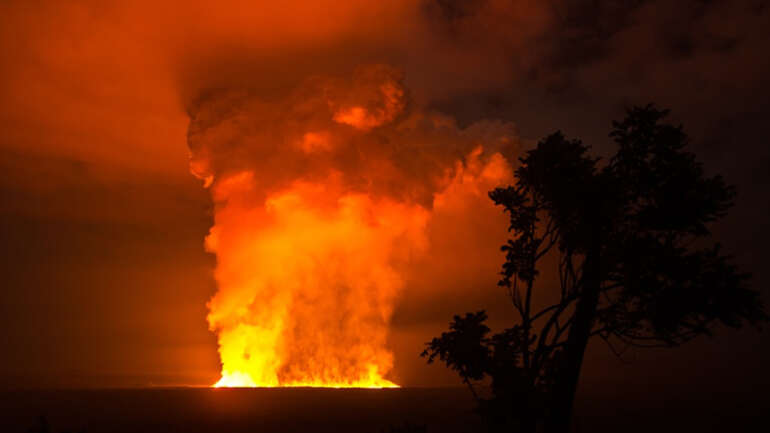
pixel 635 267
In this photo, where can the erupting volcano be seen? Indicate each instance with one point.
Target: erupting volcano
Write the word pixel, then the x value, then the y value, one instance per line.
pixel 322 198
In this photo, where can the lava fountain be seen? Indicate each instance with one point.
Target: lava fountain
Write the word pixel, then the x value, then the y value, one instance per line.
pixel 321 198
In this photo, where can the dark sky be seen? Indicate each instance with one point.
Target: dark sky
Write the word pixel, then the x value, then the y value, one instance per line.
pixel 101 224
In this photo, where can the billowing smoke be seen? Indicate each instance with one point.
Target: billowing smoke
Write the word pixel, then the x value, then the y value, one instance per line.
pixel 324 196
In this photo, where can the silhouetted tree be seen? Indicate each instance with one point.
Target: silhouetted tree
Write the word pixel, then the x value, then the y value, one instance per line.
pixel 629 238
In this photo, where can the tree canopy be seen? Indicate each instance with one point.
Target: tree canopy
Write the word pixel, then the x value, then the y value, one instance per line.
pixel 631 243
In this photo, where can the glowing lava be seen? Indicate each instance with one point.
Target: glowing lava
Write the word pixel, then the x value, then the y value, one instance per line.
pixel 322 200
pixel 307 283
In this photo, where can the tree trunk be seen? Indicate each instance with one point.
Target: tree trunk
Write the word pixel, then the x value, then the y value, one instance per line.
pixel 559 419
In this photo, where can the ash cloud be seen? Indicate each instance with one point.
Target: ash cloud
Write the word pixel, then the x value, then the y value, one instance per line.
pixel 363 127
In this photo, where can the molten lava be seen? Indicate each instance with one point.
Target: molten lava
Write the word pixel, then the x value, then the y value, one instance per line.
pixel 321 201
pixel 307 283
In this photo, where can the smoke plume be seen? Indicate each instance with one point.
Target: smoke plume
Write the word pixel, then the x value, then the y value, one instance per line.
pixel 323 198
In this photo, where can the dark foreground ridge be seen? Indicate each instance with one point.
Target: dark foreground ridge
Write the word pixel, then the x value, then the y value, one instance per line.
pixel 236 410
pixel 343 410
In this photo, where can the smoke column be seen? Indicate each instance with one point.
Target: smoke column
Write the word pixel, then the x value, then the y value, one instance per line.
pixel 323 197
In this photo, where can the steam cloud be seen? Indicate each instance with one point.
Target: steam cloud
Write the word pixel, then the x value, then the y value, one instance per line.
pixel 323 198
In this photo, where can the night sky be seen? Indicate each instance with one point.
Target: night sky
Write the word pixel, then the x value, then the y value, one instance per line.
pixel 102 225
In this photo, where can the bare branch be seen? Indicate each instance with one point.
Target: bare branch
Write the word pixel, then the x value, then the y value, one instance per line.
pixel 618 353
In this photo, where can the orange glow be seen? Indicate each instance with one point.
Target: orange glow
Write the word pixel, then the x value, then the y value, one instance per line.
pixel 307 283
pixel 323 203
pixel 359 117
